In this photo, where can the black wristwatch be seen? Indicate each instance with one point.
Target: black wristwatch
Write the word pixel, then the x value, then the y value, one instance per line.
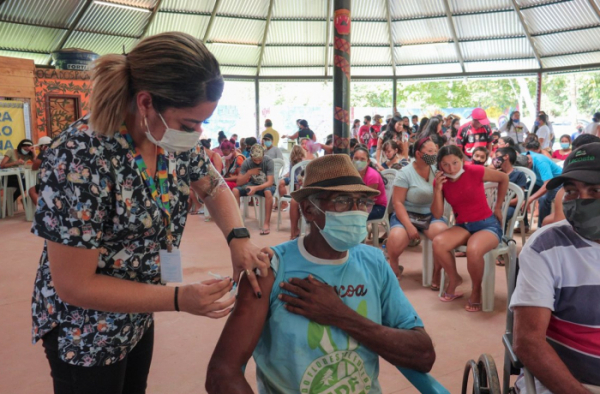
pixel 238 232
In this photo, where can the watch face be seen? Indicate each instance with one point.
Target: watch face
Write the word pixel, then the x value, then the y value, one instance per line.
pixel 241 232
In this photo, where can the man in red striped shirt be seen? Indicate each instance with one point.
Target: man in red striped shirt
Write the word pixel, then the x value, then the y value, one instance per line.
pixel 475 133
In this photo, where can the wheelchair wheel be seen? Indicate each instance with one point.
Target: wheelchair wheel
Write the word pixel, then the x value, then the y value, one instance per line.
pixel 485 376
pixel 488 375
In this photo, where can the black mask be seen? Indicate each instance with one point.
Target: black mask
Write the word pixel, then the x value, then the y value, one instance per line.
pixel 479 163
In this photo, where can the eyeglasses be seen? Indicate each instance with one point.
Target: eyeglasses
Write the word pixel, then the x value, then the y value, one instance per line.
pixel 346 203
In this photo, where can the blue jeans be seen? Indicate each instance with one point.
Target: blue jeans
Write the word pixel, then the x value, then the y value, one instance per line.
pixel 491 224
pixel 377 212
pixel 261 193
pixel 394 222
pixel 545 203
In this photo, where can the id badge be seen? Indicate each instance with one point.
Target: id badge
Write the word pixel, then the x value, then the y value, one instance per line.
pixel 170 266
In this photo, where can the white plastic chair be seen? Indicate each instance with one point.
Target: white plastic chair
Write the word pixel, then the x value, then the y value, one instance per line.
pixel 427 250
pixel 531 177
pixel 288 197
pixel 390 175
pixel 489 273
pixel 259 202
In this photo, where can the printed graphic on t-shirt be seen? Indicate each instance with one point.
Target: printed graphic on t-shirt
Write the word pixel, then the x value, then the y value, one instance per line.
pixel 338 370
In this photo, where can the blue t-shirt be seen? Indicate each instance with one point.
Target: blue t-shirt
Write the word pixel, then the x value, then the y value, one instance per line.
pixel 544 168
pixel 296 355
pixel 518 178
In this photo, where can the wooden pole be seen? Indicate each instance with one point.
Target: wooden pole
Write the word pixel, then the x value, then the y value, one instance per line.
pixel 341 76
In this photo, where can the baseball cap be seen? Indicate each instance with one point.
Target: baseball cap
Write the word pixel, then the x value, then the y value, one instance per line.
pixel 583 164
pixel 44 141
pixel 480 115
pixel 268 136
pixel 388 117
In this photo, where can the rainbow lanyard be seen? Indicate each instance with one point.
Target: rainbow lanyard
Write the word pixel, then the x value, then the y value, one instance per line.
pixel 162 199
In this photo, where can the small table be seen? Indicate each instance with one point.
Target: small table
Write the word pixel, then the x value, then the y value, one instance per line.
pixel 30 181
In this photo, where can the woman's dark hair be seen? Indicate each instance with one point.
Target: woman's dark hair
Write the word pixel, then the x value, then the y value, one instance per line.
pixel 512 154
pixel 510 120
pixel 24 142
pixel 222 137
pixel 454 129
pixel 391 129
pixel 565 136
pixel 584 139
pixel 227 145
pixel 532 143
pixel 424 122
pixel 392 144
pixel 417 146
pixel 175 68
pixel 303 123
pixel 447 151
pixel 544 118
pixel 509 141
pixel 431 128
pixel 363 148
pixel 353 143
pixel 356 121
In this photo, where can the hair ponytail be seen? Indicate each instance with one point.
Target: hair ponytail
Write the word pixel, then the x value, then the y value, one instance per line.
pixel 111 93
pixel 174 67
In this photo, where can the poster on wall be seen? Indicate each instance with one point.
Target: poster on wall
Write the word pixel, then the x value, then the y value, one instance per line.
pixel 12 125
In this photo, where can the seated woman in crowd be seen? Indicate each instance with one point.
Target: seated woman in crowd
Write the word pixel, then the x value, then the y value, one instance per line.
pixel 480 156
pixel 232 163
pixel 372 178
pixel 476 225
pixel 565 148
pixel 297 155
pixel 306 144
pixel 43 144
pixel 394 132
pixel 394 155
pixel 413 195
pixel 17 157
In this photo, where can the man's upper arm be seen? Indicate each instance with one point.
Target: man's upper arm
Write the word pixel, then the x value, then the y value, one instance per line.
pixel 270 168
pixel 530 325
pixel 244 168
pixel 244 326
pixel 535 282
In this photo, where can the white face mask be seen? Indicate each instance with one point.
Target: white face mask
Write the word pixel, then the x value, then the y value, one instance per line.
pixel 174 140
pixel 455 176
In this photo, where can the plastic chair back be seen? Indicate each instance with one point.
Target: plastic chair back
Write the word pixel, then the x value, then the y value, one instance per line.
pixel 531 178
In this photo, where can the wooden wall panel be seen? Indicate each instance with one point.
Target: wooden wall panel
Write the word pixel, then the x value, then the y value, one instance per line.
pixel 17 81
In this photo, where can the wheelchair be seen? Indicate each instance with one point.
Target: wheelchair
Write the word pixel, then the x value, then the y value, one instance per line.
pixel 484 372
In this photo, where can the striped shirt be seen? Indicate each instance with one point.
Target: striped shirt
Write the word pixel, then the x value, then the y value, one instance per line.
pixel 560 270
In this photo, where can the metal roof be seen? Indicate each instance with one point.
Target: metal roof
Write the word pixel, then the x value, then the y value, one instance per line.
pixel 494 36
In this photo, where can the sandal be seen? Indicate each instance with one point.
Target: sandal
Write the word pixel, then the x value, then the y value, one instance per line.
pixel 475 305
pixel 434 288
pixel 265 232
pixel 447 297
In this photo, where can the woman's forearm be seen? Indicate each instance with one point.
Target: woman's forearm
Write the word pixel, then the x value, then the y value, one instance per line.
pixel 437 206
pixel 110 294
pixel 502 188
pixel 224 381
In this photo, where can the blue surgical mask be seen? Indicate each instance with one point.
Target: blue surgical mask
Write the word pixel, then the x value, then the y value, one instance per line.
pixel 360 165
pixel 268 144
pixel 565 145
pixel 344 230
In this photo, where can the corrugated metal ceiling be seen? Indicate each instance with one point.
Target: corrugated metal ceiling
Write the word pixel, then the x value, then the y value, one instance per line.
pixel 566 33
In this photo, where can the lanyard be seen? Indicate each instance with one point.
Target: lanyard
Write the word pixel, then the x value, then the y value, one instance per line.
pixel 161 198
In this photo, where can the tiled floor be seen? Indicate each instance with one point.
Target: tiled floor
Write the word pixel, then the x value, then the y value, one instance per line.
pixel 184 343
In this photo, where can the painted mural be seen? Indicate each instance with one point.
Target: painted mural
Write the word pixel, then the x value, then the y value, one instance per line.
pixel 61 97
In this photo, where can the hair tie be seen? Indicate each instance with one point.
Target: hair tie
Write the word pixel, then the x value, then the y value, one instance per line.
pixel 421 142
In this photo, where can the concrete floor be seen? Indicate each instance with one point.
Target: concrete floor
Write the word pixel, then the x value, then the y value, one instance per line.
pixel 184 343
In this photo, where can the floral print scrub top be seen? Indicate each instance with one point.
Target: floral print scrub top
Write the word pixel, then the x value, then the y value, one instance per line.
pixel 92 196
